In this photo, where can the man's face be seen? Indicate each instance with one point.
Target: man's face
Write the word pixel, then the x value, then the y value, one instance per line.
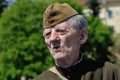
pixel 63 41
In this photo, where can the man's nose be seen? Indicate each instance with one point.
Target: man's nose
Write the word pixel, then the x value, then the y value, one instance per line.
pixel 53 36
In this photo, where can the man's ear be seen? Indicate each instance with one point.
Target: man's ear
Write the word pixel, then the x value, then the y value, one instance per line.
pixel 83 35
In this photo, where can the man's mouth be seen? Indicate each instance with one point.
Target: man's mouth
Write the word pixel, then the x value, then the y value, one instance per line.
pixel 56 47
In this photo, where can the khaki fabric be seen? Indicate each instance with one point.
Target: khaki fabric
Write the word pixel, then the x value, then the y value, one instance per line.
pixel 54 70
pixel 107 71
pixel 56 13
pixel 47 75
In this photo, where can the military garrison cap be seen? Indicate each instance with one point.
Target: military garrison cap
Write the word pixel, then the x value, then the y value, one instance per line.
pixel 56 13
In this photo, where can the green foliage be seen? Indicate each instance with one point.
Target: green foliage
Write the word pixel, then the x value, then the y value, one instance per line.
pixel 99 39
pixel 22 50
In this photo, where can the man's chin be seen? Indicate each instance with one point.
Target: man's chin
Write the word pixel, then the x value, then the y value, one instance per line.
pixel 59 56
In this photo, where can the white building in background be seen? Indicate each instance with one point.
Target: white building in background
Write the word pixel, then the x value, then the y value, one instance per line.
pixel 109 13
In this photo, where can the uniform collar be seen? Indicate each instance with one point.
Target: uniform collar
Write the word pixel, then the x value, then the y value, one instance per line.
pixel 80 59
pixel 80 68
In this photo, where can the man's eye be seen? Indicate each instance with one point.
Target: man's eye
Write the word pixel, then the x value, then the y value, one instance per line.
pixel 47 34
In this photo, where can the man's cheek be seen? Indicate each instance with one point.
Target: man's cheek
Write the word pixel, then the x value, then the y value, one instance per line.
pixel 47 43
pixel 68 43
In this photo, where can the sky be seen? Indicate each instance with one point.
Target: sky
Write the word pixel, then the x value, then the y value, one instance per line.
pixel 10 1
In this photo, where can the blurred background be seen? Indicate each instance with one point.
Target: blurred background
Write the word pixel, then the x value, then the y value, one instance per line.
pixel 23 53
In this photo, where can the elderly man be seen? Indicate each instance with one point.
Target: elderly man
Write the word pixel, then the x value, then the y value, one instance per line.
pixel 64 32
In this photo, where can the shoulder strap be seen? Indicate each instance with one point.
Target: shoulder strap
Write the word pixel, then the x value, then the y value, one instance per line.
pixel 54 70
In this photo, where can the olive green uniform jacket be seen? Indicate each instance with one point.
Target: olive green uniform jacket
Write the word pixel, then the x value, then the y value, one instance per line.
pixel 85 70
